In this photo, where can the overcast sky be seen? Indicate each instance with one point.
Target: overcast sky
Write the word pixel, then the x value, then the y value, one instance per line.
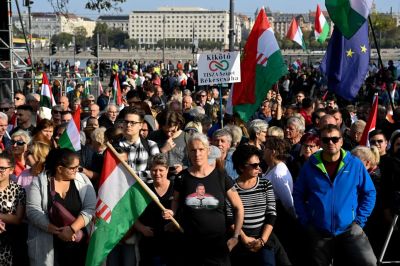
pixel 246 7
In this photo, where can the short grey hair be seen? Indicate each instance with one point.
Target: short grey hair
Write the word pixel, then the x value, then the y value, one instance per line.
pixel 111 105
pixel 159 159
pixel 236 133
pixel 297 122
pixel 256 126
pixel 3 116
pixel 199 137
pixel 32 97
pixel 224 132
pixel 196 111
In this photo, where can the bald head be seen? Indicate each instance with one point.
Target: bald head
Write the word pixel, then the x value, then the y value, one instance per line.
pixel 327 120
pixel 64 102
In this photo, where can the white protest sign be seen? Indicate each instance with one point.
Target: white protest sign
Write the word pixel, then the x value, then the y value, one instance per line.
pixel 218 68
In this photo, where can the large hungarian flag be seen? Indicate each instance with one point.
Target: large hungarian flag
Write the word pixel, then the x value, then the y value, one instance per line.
pixel 121 200
pixel 321 26
pixel 371 123
pixel 262 66
pixel 295 34
pixel 348 15
pixel 71 138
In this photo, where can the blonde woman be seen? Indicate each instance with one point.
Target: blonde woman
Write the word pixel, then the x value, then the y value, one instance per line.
pixel 38 149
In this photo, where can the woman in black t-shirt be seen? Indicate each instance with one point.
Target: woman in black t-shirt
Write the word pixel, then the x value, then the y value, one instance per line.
pixel 156 244
pixel 199 199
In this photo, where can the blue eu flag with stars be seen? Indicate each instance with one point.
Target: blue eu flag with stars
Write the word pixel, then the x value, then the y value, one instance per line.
pixel 345 64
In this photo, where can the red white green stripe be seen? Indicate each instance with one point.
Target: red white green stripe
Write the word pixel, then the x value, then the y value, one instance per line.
pixel 295 34
pixel 116 212
pixel 71 138
pixel 348 15
pixel 262 66
pixel 46 95
pixel 321 26
pixel 371 123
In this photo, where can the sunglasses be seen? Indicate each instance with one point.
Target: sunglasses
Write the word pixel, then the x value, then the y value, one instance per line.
pixel 375 141
pixel 253 165
pixel 3 169
pixel 57 112
pixel 4 109
pixel 18 142
pixel 327 140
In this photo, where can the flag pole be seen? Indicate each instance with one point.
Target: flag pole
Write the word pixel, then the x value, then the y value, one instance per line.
pixel 142 184
pixel 378 50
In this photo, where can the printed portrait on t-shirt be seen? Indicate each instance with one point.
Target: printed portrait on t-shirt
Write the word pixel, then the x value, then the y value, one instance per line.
pixel 201 200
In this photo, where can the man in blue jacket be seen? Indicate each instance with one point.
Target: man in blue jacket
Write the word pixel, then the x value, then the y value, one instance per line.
pixel 333 197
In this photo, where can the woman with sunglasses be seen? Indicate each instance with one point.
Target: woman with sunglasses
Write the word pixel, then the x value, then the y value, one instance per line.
pixel 257 244
pixel 11 213
pixel 49 242
pixel 19 142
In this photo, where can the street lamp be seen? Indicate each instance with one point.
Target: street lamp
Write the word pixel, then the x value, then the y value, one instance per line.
pixel 163 49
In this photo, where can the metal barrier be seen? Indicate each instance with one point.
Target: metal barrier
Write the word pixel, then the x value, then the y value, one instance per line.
pixel 92 85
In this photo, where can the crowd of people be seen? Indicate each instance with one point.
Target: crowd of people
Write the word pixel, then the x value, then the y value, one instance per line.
pixel 292 186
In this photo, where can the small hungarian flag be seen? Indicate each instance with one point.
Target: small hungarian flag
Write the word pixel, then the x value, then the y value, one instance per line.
pixel 116 212
pixel 71 138
pixel 46 98
pixel 321 26
pixel 371 124
pixel 262 66
pixel 348 15
pixel 295 34
pixel 117 90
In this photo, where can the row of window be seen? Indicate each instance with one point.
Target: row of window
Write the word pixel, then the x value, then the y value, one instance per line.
pixel 154 40
pixel 175 36
pixel 180 17
pixel 187 25
pixel 197 30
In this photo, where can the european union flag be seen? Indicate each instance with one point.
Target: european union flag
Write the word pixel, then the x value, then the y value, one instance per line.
pixel 345 64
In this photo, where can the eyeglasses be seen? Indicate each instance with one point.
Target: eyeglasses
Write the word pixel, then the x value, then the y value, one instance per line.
pixel 56 112
pixel 327 140
pixel 309 146
pixel 72 168
pixel 253 165
pixel 131 123
pixel 375 141
pixel 18 142
pixel 4 168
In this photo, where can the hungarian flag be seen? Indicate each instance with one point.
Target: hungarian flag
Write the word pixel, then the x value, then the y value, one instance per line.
pixel 46 98
pixel 117 90
pixel 348 15
pixel 262 66
pixel 295 34
pixel 371 124
pixel 71 138
pixel 321 26
pixel 121 200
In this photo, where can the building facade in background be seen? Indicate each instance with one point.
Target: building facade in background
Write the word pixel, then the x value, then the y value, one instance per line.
pixel 115 22
pixel 182 23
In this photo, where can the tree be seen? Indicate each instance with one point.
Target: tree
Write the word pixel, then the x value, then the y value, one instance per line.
pixel 131 43
pixel 117 38
pixel 80 35
pixel 62 39
pixel 62 5
pixel 102 30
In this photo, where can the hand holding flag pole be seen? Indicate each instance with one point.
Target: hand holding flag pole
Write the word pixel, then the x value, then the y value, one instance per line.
pixel 142 184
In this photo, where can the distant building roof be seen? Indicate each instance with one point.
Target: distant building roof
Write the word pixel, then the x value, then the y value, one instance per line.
pixel 123 17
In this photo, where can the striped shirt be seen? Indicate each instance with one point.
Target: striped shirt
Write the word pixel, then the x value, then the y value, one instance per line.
pixel 138 157
pixel 259 207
